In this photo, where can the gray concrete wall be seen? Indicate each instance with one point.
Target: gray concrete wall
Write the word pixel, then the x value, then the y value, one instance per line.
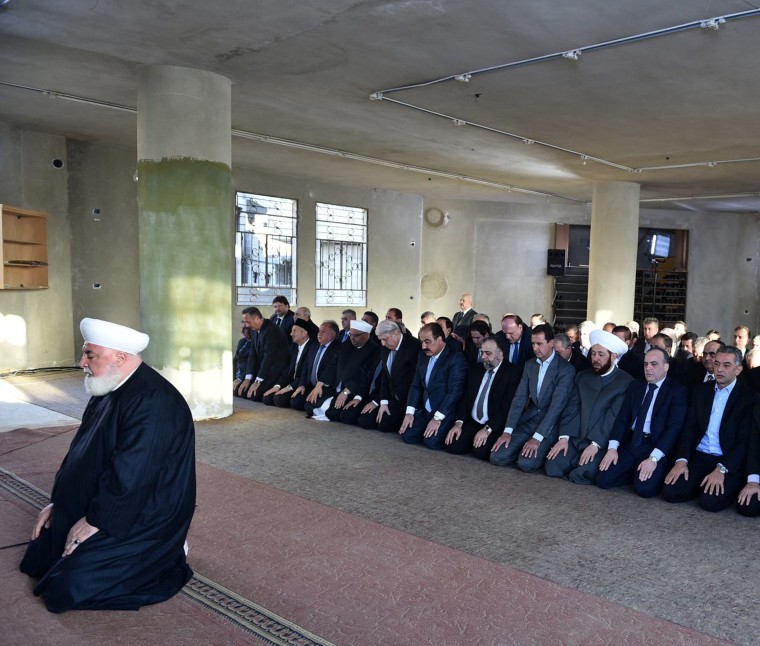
pixel 106 245
pixel 394 220
pixel 40 320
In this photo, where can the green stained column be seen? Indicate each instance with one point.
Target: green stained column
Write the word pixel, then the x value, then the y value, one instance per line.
pixel 186 231
pixel 612 254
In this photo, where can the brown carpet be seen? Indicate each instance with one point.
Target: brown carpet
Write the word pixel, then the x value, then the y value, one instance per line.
pixel 345 578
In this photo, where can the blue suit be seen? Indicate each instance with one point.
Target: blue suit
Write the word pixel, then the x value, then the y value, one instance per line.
pixel 668 417
pixel 444 390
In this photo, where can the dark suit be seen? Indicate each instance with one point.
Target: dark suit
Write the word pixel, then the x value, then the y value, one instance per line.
pixel 290 376
pixel 538 413
pixel 734 433
pixel 578 361
pixel 633 364
pixel 393 386
pixel 753 464
pixel 356 367
pixel 601 398
pixel 444 389
pixel 286 325
pixel 667 420
pixel 752 378
pixel 500 396
pixel 269 356
pixel 524 350
pixel 639 347
pixel 326 375
pixel 461 322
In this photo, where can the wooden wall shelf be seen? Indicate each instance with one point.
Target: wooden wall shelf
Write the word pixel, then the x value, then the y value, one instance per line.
pixel 23 258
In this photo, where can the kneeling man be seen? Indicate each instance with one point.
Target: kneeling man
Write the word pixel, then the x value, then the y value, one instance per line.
pixel 112 537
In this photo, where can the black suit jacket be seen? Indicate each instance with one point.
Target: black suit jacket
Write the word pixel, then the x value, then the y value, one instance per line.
pixel 356 367
pixel 287 323
pixel 752 378
pixel 462 321
pixel 394 386
pixel 524 351
pixel 735 425
pixel 292 373
pixel 668 414
pixel 269 354
pixel 753 452
pixel 633 364
pixel 328 366
pixel 503 388
pixel 578 361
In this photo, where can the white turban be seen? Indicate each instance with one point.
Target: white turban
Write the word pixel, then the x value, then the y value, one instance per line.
pixel 114 336
pixel 362 326
pixel 613 343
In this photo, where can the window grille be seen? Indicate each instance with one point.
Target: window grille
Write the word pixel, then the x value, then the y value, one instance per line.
pixel 265 248
pixel 341 255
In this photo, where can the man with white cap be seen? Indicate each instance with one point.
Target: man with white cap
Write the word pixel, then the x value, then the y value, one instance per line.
pixel 646 429
pixel 112 537
pixel 576 454
pixel 356 365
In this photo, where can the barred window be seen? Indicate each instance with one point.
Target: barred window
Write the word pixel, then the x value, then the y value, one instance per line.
pixel 341 255
pixel 265 248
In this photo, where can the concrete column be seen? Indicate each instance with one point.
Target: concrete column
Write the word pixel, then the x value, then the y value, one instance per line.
pixel 612 257
pixel 185 211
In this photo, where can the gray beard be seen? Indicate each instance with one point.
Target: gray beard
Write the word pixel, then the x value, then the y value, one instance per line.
pixel 99 386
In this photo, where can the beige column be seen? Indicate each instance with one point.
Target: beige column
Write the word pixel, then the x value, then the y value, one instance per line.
pixel 613 248
pixel 186 231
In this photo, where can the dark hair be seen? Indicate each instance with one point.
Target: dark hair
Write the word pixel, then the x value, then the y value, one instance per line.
pixel 372 316
pixel 665 339
pixel 253 311
pixel 333 326
pixel 434 329
pixel 482 327
pixel 280 299
pixel 396 312
pixel 690 336
pixel 624 330
pixel 544 329
pixel 499 341
pixel 656 348
pixel 446 320
pixel 730 349
pixel 351 312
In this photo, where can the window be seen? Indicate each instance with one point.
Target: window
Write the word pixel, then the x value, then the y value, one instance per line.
pixel 265 248
pixel 341 255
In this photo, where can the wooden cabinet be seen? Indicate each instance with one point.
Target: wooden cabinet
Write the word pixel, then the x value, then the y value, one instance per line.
pixel 24 252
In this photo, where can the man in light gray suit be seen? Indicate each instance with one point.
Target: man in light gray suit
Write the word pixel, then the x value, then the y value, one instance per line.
pixel 601 391
pixel 546 392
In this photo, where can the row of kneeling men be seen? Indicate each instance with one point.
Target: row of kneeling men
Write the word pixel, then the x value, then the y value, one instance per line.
pixel 599 425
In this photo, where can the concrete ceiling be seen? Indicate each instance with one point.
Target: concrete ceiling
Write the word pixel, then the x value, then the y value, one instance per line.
pixel 303 71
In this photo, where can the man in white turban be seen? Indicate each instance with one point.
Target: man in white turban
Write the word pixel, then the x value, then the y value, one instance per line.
pixel 112 538
pixel 576 454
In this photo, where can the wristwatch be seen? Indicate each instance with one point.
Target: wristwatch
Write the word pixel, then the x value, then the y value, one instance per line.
pixel 722 469
pixel 653 459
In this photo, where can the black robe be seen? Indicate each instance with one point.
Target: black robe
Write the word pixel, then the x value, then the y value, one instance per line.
pixel 130 471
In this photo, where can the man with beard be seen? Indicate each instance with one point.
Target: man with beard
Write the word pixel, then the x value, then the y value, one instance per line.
pixel 112 537
pixel 577 451
pixel 491 385
pixel 645 430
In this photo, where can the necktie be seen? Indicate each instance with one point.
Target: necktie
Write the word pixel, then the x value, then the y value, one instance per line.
pixel 638 427
pixel 710 377
pixel 513 358
pixel 317 359
pixel 483 394
pixel 391 357
pixel 278 321
pixel 431 363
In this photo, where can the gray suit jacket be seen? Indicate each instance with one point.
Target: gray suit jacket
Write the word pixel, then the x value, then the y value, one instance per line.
pixel 601 399
pixel 540 412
